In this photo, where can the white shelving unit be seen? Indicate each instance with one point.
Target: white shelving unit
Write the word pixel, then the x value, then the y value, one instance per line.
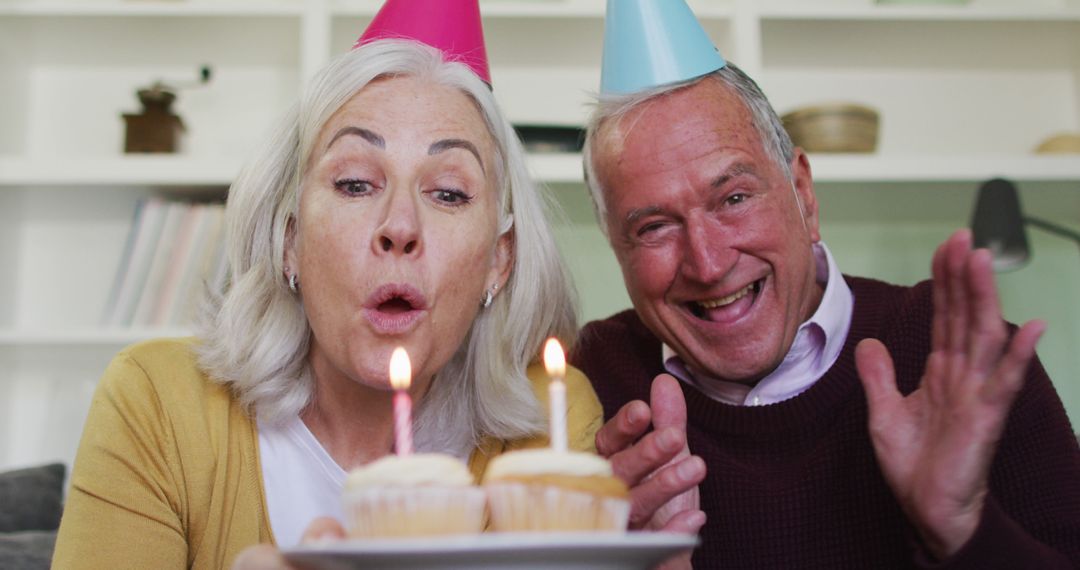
pixel 965 93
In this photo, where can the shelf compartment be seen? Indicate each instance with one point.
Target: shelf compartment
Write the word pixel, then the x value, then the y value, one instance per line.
pixel 536 80
pixel 561 9
pixel 939 87
pixel 72 94
pixel 127 8
pixel 1013 13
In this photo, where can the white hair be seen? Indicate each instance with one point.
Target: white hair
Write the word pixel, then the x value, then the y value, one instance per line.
pixel 611 109
pixel 256 335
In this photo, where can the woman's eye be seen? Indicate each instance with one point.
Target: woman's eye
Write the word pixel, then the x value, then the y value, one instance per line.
pixel 451 197
pixel 354 187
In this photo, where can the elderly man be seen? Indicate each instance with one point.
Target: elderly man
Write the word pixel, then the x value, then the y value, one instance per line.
pixel 844 422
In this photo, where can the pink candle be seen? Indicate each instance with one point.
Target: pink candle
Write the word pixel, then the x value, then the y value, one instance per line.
pixel 555 364
pixel 400 379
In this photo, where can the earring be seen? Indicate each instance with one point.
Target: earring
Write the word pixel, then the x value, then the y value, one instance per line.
pixel 489 296
pixel 294 283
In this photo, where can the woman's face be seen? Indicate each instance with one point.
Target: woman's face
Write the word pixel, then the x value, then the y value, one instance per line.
pixel 396 239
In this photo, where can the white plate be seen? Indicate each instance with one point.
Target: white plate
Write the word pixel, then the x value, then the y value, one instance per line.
pixel 518 551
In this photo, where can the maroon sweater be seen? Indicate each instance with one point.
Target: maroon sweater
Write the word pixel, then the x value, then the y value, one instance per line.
pixel 796 485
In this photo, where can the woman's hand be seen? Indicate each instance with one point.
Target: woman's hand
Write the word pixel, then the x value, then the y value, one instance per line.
pixel 935 445
pixel 267 557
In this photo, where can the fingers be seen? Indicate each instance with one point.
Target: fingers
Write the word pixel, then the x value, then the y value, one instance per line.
pixel 665 485
pixel 652 452
pixel 323 529
pixel 878 376
pixel 686 522
pixel 988 333
pixel 621 431
pixel 667 403
pixel 1008 378
pixel 937 271
pixel 967 324
pixel 958 248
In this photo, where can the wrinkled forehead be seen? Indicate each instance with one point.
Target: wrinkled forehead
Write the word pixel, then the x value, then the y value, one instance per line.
pixel 423 106
pixel 670 131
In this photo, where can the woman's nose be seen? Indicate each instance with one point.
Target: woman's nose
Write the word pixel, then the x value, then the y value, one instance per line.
pixel 399 229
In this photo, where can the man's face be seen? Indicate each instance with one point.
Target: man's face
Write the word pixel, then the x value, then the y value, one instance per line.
pixel 715 249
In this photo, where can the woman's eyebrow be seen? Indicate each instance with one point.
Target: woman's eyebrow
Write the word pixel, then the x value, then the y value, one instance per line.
pixel 365 134
pixel 446 144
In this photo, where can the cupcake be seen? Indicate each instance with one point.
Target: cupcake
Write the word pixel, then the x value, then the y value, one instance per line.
pixel 413 495
pixel 548 490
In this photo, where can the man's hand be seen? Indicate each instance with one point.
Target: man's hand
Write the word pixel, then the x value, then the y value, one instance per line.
pixel 935 446
pixel 266 557
pixel 662 475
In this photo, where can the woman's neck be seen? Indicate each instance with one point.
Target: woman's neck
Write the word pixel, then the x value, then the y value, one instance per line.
pixel 353 421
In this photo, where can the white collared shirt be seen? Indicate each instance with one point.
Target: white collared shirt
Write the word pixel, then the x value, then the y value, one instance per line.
pixel 816 347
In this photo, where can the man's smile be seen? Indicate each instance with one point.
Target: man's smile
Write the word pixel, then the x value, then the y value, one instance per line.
pixel 728 307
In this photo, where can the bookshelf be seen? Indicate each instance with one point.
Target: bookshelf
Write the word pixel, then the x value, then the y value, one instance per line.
pixel 965 93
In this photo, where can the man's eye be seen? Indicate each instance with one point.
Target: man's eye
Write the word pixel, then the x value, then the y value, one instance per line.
pixel 735 199
pixel 354 187
pixel 649 228
pixel 451 197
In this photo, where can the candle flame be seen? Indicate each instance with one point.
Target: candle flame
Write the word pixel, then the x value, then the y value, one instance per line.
pixel 400 369
pixel 554 361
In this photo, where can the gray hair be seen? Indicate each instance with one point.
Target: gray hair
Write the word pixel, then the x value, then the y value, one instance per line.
pixel 256 335
pixel 611 109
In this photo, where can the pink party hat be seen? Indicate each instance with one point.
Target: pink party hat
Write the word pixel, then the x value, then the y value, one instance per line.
pixel 452 26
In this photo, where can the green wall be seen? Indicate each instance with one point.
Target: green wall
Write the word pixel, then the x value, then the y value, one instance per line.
pixel 889 231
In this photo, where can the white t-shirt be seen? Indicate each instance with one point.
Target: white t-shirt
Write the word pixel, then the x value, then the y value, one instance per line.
pixel 300 479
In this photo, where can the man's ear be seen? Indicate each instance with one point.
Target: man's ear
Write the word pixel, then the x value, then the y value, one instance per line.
pixel 803 184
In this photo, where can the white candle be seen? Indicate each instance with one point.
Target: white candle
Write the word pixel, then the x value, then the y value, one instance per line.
pixel 400 379
pixel 555 363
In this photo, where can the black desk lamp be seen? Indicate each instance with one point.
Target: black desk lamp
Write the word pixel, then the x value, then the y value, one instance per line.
pixel 998 225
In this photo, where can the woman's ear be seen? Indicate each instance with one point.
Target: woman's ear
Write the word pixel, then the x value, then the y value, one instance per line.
pixel 503 264
pixel 290 262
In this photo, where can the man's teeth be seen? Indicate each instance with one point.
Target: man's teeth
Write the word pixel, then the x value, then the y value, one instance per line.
pixel 714 303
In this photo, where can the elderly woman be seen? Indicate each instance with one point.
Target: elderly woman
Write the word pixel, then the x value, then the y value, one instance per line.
pixel 392 208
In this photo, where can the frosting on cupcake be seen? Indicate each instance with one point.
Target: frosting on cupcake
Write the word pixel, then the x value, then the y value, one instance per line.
pixel 546 461
pixel 412 470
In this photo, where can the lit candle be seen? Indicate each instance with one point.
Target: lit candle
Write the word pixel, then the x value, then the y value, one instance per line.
pixel 400 378
pixel 555 363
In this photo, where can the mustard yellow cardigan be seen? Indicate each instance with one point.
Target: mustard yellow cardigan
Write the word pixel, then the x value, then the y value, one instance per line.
pixel 167 474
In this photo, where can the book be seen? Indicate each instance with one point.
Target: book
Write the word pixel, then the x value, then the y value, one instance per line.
pixel 145 232
pixel 179 310
pixel 125 262
pixel 155 275
pixel 211 251
pixel 186 238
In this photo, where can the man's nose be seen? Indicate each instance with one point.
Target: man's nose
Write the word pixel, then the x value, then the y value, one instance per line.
pixel 707 253
pixel 398 232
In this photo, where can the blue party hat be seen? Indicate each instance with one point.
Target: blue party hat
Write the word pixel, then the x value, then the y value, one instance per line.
pixel 649 43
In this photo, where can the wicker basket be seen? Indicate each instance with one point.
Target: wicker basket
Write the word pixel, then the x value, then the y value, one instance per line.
pixel 1062 143
pixel 839 127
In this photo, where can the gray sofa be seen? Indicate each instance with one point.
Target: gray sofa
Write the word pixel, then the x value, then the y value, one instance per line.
pixel 31 502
